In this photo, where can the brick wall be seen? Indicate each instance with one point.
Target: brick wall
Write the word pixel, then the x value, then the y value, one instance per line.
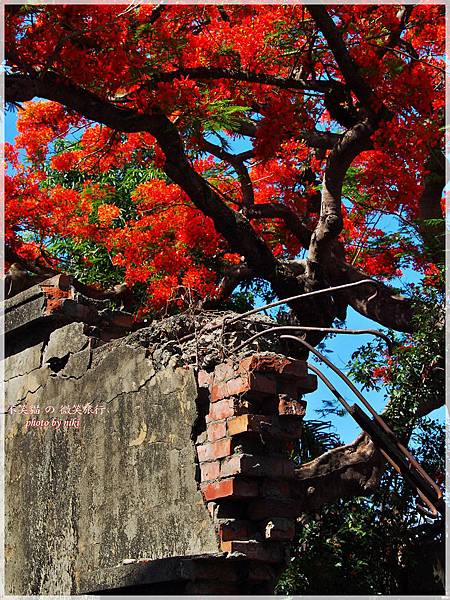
pixel 246 475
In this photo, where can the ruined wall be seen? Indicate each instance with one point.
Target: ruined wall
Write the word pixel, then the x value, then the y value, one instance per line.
pixel 122 485
pixel 148 461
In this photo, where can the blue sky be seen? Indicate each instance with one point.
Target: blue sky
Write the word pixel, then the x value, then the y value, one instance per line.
pixel 339 348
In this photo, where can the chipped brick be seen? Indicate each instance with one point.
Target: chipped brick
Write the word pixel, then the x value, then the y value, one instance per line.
pixel 236 488
pixel 237 386
pixel 254 550
pixel 264 424
pixel 221 410
pixel 224 372
pixel 214 450
pixel 296 387
pixel 256 466
pixel 253 385
pixel 227 408
pixel 219 391
pixel 274 363
pixel 210 470
pixel 234 529
pixel 204 379
pixel 216 430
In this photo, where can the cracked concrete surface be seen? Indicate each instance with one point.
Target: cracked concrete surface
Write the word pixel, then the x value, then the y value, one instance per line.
pixel 122 485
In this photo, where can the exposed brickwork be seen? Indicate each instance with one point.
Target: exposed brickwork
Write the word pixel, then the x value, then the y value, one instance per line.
pixel 210 470
pixel 255 415
pixel 56 290
pixel 231 487
pixel 216 430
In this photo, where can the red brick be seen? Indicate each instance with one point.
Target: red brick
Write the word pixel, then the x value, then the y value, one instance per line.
pixel 214 450
pixel 248 363
pixel 255 550
pixel 265 508
pixel 245 423
pixel 255 383
pixel 240 464
pixel 210 470
pixel 204 379
pixel 216 430
pixel 263 384
pixel 295 369
pixel 237 386
pixel 296 387
pixel 224 372
pixel 234 529
pixel 229 407
pixel 274 363
pixel 287 406
pixel 219 391
pixel 221 410
pixel 279 529
pixel 263 363
pixel 257 466
pixel 234 488
pixel 286 430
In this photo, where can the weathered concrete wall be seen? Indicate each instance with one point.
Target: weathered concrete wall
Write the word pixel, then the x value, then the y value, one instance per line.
pixel 122 485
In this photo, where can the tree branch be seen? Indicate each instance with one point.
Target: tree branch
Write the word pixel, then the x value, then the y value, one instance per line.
pixel 330 223
pixel 232 225
pixel 386 307
pixel 311 137
pixel 395 36
pixel 211 73
pixel 237 162
pixel 279 211
pixel 234 276
pixel 351 470
pixel 433 234
pixel 348 67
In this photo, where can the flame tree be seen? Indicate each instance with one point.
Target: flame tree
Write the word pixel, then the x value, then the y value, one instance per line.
pixel 193 151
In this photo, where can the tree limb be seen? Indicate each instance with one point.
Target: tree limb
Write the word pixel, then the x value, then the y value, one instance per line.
pixel 233 277
pixel 395 36
pixel 232 225
pixel 347 65
pixel 433 234
pixel 386 306
pixel 275 210
pixel 237 162
pixel 351 470
pixel 330 223
pixel 211 73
